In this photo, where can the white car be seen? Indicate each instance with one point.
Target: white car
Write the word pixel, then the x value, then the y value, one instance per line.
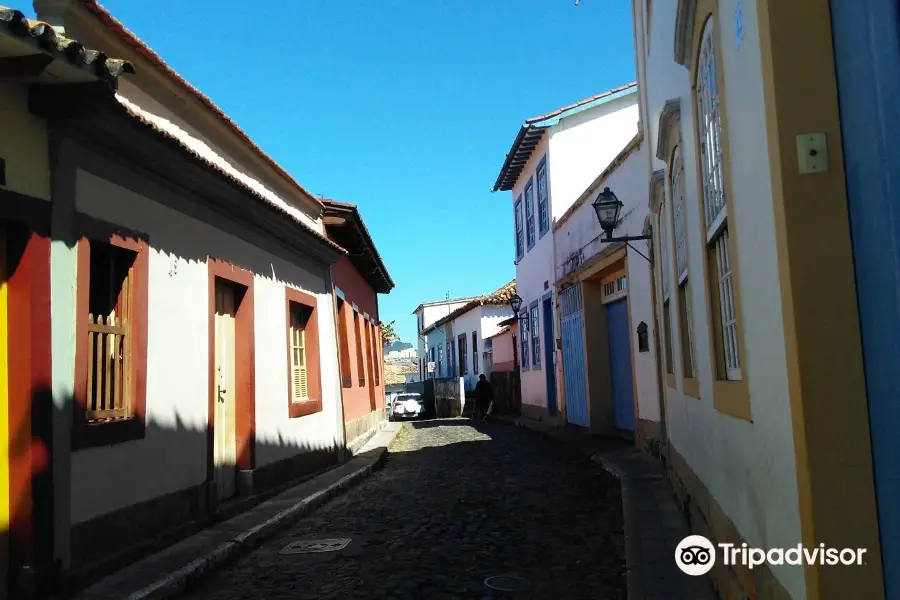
pixel 408 405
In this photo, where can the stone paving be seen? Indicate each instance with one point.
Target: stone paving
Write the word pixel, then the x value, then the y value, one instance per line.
pixel 452 506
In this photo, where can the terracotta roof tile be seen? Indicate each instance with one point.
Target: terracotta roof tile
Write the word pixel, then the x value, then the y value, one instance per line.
pixel 203 153
pixel 498 297
pixel 60 47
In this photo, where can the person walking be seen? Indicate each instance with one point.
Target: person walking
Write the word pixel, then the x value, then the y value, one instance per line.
pixel 484 395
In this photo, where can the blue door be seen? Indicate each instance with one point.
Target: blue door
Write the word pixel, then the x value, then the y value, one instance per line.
pixel 549 367
pixel 867 55
pixel 573 359
pixel 620 364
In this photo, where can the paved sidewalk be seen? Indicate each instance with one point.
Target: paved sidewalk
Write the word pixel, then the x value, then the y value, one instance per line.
pixel 653 523
pixel 167 573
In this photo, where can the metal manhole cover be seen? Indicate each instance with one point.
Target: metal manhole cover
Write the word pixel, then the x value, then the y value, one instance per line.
pixel 507 583
pixel 316 546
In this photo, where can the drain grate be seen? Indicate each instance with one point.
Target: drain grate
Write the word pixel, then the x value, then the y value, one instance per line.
pixel 316 546
pixel 507 583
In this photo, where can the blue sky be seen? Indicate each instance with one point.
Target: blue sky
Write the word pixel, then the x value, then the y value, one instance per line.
pixel 404 107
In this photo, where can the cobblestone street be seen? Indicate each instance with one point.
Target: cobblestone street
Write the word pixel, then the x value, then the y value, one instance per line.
pixel 451 506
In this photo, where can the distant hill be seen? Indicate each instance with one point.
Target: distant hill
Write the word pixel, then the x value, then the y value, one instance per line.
pixel 398 345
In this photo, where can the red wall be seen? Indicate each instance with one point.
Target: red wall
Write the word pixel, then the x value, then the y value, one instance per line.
pixel 356 398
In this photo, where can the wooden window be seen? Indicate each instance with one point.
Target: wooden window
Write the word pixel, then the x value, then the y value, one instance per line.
pixel 111 331
pixel 614 288
pixel 297 341
pixel 529 213
pixel 520 240
pixel 685 321
pixel 376 356
pixel 474 353
pixel 463 355
pixel 344 341
pixel 543 198
pixel 515 349
pixel 535 337
pixel 524 341
pixel 304 376
pixel 455 358
pixel 664 252
pixel 360 360
pixel 440 365
pixel 370 361
pixel 715 212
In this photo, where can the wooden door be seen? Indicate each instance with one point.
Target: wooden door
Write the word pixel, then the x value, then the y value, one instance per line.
pixel 225 450
pixel 620 364
pixel 867 56
pixel 5 442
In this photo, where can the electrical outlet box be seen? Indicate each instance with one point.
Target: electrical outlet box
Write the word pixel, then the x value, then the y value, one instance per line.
pixel 812 153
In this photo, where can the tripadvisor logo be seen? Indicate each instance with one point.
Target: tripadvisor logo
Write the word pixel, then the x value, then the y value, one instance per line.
pixel 696 555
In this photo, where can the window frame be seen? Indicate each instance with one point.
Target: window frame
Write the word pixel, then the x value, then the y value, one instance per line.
pixel 519 224
pixel 543 204
pixel 346 367
pixel 525 342
pixel 358 343
pixel 313 403
pixel 535 338
pixel 665 252
pixel 85 434
pixel 730 397
pixel 528 196
pixel 474 353
pixel 686 345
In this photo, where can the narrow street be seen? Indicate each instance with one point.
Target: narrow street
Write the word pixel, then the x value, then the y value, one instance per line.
pixel 451 506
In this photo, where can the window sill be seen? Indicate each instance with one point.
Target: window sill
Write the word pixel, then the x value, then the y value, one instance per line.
pixel 93 435
pixel 670 381
pixel 733 399
pixel 303 409
pixel 691 386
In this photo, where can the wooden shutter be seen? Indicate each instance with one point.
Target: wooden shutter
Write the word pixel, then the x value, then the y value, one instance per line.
pixel 298 356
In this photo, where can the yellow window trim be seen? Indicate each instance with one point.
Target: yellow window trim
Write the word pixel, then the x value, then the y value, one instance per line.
pixel 729 397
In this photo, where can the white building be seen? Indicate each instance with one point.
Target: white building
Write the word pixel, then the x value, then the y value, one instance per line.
pixel 553 159
pixel 426 314
pixel 458 340
pixel 606 311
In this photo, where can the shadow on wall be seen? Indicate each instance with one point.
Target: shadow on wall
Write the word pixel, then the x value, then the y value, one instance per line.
pixel 118 538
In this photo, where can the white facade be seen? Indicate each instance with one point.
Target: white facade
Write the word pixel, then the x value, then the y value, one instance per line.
pixel 428 313
pixel 748 467
pixel 576 149
pixel 577 234
pixel 178 358
pixel 477 324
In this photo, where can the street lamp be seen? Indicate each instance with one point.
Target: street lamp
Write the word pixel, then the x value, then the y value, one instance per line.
pixel 516 303
pixel 608 206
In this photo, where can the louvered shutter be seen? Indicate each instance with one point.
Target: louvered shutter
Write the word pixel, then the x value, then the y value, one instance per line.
pixel 298 357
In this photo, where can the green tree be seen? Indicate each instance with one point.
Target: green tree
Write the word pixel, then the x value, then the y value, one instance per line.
pixel 388 333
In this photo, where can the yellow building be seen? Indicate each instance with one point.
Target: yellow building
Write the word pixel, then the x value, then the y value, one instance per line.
pixel 41 75
pixel 774 193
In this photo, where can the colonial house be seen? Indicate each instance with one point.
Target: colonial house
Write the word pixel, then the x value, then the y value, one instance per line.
pixel 192 353
pixel 457 340
pixel 358 279
pixel 44 77
pixel 609 372
pixel 426 314
pixel 553 158
pixel 503 348
pixel 774 193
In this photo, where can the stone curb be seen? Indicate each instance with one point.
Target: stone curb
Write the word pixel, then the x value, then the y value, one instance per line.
pixel 361 440
pixel 176 582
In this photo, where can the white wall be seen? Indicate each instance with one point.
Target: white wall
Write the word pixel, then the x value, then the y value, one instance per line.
pixel 583 145
pixel 534 269
pixel 748 467
pixel 465 324
pixel 172 456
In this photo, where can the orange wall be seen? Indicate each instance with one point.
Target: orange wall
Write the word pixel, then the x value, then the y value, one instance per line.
pixel 356 398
